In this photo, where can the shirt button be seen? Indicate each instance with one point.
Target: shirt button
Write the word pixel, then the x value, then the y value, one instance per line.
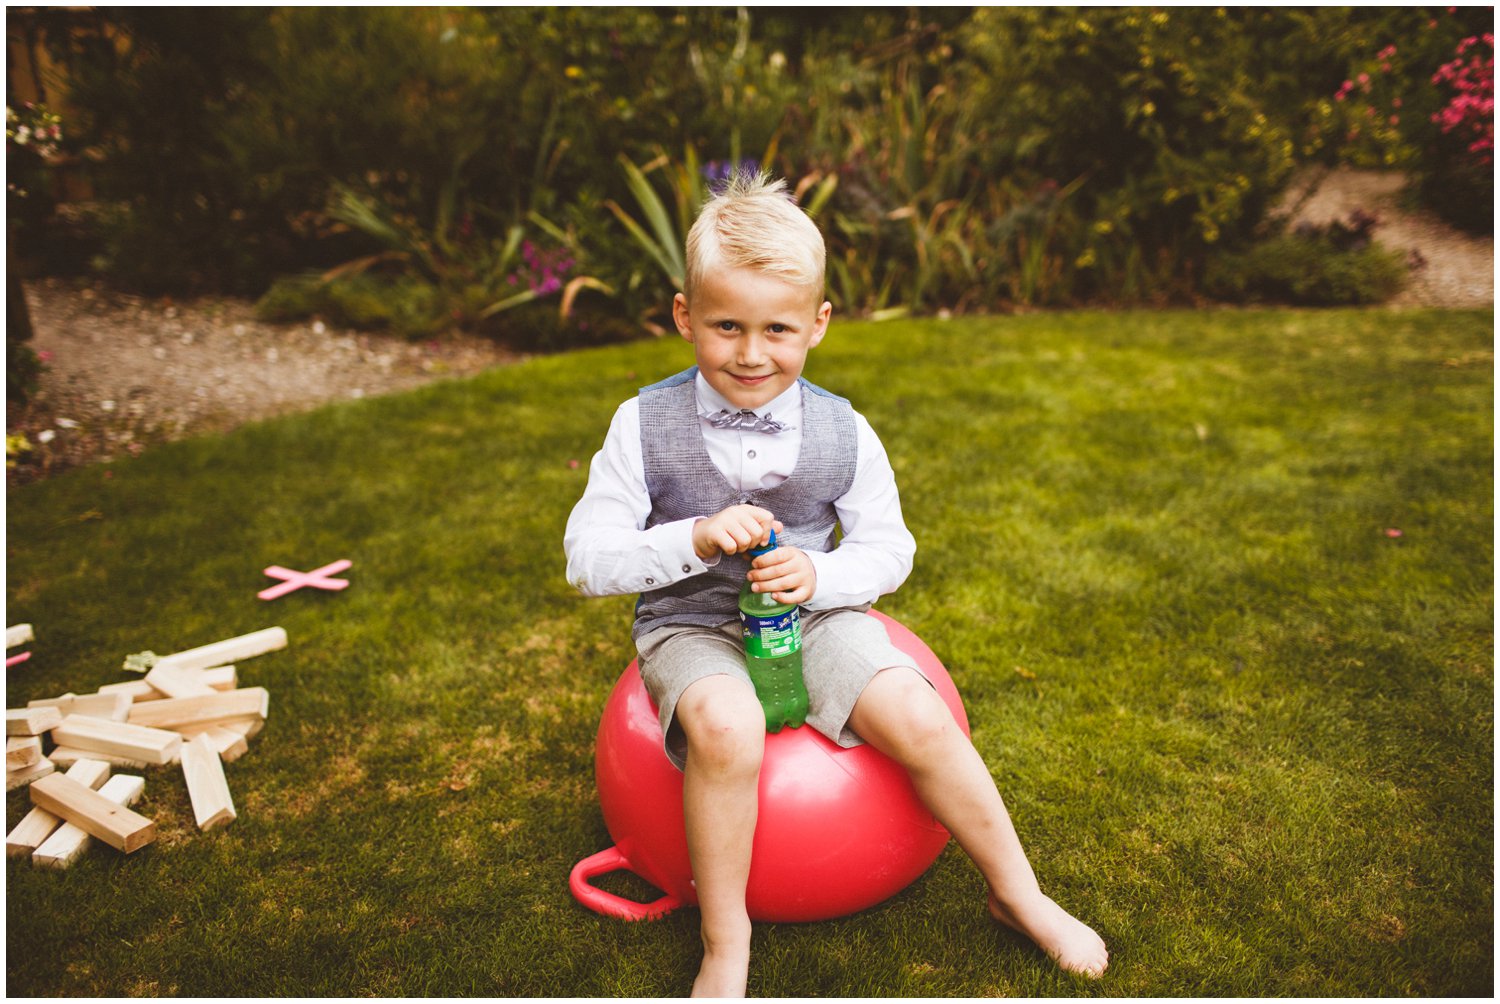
pixel 751 454
pixel 650 581
pixel 687 568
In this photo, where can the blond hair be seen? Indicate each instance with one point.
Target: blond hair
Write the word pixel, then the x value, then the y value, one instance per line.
pixel 753 223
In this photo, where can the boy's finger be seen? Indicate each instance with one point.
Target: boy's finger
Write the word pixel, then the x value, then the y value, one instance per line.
pixel 773 583
pixel 770 558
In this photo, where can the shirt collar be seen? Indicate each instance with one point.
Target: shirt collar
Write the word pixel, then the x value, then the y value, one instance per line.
pixel 784 407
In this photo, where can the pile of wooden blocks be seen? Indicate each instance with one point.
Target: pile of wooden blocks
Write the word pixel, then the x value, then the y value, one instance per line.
pixel 188 710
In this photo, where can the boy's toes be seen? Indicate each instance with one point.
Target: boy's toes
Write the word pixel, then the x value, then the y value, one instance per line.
pixel 1068 941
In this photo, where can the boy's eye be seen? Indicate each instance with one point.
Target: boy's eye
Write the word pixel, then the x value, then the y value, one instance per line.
pixel 778 329
pixel 726 325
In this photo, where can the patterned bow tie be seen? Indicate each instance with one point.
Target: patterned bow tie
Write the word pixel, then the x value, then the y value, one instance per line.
pixel 746 421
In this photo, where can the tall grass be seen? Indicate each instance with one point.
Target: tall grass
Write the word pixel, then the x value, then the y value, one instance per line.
pixel 1244 729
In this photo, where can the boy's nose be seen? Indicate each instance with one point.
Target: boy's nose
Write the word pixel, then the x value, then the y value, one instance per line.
pixel 752 350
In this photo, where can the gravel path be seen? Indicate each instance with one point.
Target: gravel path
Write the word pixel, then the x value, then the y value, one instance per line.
pixel 127 372
pixel 1452 269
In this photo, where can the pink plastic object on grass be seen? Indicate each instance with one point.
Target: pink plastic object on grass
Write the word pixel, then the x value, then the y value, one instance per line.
pixel 318 578
pixel 839 829
pixel 13 659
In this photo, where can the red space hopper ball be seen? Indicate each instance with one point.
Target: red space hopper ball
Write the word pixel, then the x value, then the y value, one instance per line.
pixel 839 830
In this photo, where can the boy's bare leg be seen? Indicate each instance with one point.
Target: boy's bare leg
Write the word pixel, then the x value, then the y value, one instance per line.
pixel 902 716
pixel 726 733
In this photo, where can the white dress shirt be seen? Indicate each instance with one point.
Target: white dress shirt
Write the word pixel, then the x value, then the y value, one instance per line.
pixel 610 552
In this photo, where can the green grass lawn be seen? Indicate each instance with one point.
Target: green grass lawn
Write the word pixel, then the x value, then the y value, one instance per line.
pixel 1243 730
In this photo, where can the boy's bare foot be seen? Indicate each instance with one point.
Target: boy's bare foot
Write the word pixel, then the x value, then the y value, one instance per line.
pixel 1068 941
pixel 722 977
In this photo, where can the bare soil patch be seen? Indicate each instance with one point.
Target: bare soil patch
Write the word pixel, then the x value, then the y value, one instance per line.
pixel 124 372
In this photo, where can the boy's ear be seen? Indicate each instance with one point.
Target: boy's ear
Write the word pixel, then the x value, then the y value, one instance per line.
pixel 681 317
pixel 820 325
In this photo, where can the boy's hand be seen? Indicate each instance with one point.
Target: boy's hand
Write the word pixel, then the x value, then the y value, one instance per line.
pixel 736 529
pixel 786 573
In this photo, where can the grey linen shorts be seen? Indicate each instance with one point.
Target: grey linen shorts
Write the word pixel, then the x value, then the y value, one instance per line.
pixel 842 650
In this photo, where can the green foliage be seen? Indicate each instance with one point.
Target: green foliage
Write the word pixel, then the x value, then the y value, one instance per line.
pixel 161 108
pixel 23 367
pixel 1306 270
pixel 23 370
pixel 405 305
pixel 957 159
pixel 664 234
pixel 1388 108
pixel 1160 117
pixel 1241 728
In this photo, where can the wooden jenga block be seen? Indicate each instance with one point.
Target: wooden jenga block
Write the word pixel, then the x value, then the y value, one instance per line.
pixel 26 775
pixel 176 712
pixel 18 634
pixel 229 744
pixel 206 786
pixel 176 681
pixel 243 647
pixel 65 756
pixel 217 678
pixel 137 742
pixel 30 721
pixel 38 824
pixel 112 706
pixel 248 726
pixel 22 751
pixel 93 812
pixel 70 840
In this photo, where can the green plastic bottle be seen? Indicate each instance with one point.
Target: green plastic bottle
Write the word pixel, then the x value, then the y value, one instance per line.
pixel 773 653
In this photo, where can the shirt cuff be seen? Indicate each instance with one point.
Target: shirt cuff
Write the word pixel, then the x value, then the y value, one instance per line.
pixel 826 595
pixel 675 554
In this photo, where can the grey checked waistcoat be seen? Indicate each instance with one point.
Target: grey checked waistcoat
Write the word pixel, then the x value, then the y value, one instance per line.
pixel 683 483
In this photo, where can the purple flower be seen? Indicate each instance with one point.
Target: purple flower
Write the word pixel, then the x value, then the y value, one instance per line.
pixel 719 172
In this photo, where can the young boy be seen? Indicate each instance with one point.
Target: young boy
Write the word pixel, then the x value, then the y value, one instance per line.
pixel 700 468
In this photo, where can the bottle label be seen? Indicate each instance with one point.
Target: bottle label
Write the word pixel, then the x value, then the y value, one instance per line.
pixel 772 637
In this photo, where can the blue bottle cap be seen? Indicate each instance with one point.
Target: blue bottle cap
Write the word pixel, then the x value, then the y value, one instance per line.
pixel 756 552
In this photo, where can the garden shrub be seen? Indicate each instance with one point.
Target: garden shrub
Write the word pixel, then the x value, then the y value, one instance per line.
pixel 1418 96
pixel 964 159
pixel 23 368
pixel 368 302
pixel 1160 117
pixel 1332 266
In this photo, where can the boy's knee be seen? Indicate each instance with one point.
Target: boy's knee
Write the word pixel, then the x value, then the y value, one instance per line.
pixel 902 711
pixel 724 724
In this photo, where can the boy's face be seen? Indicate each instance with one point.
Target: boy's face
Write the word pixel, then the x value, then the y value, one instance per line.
pixel 750 332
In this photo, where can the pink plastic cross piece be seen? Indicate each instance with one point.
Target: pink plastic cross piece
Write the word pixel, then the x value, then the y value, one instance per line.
pixel 13 659
pixel 318 578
